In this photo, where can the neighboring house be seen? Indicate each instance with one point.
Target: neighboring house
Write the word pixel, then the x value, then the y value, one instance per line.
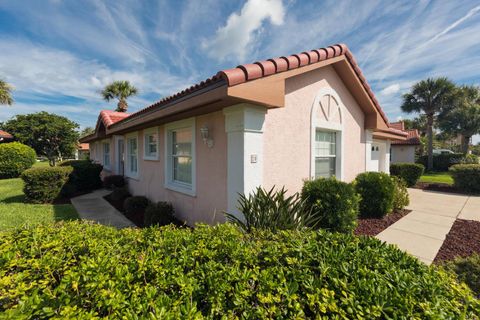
pixel 403 151
pixel 5 137
pixel 82 151
pixel 271 123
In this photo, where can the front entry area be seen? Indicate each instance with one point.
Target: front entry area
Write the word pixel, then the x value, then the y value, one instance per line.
pixel 379 158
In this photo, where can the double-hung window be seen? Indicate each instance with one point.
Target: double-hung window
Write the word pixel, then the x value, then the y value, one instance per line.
pixel 180 156
pixel 150 144
pixel 132 157
pixel 325 153
pixel 106 155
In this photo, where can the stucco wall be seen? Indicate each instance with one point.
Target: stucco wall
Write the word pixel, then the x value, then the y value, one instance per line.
pixel 287 131
pixel 403 153
pixel 211 174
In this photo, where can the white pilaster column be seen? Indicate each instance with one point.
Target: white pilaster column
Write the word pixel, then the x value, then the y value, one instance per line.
pixel 244 128
pixel 387 156
pixel 368 150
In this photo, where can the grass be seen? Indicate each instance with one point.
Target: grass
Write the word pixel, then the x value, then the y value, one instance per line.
pixel 437 177
pixel 15 213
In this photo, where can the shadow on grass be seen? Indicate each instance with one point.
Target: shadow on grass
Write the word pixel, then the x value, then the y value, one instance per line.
pixel 15 199
pixel 65 212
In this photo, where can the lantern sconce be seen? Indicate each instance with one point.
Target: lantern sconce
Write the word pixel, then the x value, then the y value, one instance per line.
pixel 206 136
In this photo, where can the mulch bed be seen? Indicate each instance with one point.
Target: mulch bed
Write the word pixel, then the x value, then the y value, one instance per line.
pixel 373 226
pixel 463 240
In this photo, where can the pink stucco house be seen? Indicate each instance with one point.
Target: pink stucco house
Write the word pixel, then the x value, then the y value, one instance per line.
pixel 270 123
pixel 403 151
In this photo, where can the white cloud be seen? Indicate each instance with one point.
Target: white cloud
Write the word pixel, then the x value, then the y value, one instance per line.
pixel 236 37
pixel 391 89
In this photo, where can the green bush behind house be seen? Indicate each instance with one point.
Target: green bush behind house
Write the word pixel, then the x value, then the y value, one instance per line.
pixel 334 202
pixel 78 271
pixel 15 157
pixel 466 177
pixel 410 172
pixel 376 190
pixel 441 162
pixel 44 185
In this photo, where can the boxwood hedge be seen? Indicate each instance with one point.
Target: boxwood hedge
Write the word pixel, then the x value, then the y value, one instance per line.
pixel 466 177
pixel 15 158
pixel 410 172
pixel 79 271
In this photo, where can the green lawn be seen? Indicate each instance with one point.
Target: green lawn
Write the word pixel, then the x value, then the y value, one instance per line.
pixel 437 177
pixel 14 212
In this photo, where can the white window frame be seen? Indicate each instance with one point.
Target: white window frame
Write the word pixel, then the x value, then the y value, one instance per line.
pixel 128 173
pixel 170 183
pixel 147 133
pixel 327 126
pixel 104 154
pixel 315 156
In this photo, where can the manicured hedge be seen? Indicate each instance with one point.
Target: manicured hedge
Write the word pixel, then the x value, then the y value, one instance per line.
pixel 160 214
pixel 85 176
pixel 466 177
pixel 78 271
pixel 410 172
pixel 44 185
pixel 377 191
pixel 114 180
pixel 334 202
pixel 15 157
pixel 441 162
pixel 401 198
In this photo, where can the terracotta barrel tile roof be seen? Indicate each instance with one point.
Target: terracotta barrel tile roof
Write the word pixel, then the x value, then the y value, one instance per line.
pixel 83 146
pixel 110 117
pixel 413 138
pixel 399 125
pixel 247 72
pixel 5 135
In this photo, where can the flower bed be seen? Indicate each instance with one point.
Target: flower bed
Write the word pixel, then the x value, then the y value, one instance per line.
pixel 373 226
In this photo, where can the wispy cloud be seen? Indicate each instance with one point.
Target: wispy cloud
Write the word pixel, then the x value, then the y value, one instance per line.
pixel 235 38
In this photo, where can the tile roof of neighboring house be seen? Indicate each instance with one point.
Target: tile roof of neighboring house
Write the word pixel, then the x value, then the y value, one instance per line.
pixel 5 135
pixel 399 125
pixel 110 117
pixel 247 72
pixel 83 146
pixel 413 138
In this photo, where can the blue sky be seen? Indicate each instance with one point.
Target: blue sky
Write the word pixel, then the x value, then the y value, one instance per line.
pixel 58 54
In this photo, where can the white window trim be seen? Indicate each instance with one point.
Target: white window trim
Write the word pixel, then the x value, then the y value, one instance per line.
pixel 169 182
pixel 104 142
pixel 327 126
pixel 146 133
pixel 127 172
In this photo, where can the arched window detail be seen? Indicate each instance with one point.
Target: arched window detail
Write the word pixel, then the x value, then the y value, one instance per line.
pixel 327 135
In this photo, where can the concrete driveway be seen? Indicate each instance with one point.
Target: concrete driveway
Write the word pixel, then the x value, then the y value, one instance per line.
pixel 422 232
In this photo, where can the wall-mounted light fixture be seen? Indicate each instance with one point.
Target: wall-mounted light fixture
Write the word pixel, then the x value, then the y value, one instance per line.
pixel 205 136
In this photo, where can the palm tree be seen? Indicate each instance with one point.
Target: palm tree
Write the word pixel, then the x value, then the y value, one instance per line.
pixel 464 117
pixel 120 90
pixel 431 97
pixel 5 93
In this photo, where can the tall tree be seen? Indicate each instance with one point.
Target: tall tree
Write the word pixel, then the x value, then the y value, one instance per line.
pixel 419 123
pixel 51 135
pixel 430 97
pixel 464 117
pixel 87 131
pixel 120 90
pixel 5 93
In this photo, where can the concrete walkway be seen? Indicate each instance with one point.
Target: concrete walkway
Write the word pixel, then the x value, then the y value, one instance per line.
pixel 422 232
pixel 93 207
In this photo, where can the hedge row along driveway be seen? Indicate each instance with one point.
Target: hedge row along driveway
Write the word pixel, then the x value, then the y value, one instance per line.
pixel 76 270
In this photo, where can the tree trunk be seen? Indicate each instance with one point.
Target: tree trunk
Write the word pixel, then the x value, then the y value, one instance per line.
pixel 430 142
pixel 465 144
pixel 122 106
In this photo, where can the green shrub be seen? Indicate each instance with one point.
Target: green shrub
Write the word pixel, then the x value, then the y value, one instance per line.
pixel 77 270
pixel 376 190
pixel 469 159
pixel 160 214
pixel 467 270
pixel 400 194
pixel 410 172
pixel 15 158
pixel 334 202
pixel 44 185
pixel 114 181
pixel 441 162
pixel 466 177
pixel 120 194
pixel 135 204
pixel 85 175
pixel 272 210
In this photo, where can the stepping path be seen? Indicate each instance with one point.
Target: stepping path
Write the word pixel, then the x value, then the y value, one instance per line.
pixel 422 232
pixel 93 206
